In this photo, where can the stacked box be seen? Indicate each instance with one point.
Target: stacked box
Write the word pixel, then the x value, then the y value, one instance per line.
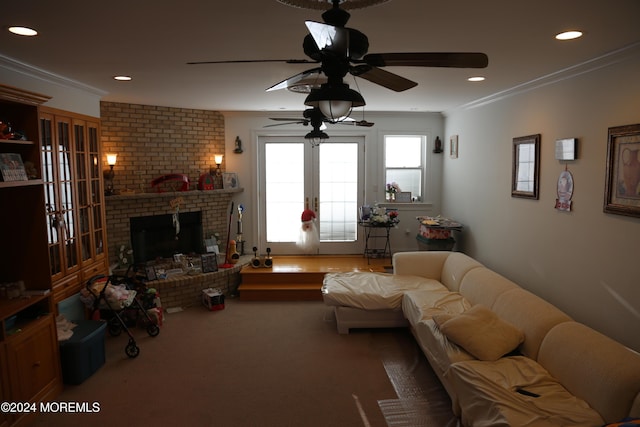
pixel 213 299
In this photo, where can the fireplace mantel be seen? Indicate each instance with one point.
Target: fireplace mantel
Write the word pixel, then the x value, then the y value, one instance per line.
pixel 186 194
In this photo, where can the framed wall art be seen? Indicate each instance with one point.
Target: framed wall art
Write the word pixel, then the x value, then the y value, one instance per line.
pixel 230 181
pixel 525 175
pixel 622 182
pixel 403 197
pixel 453 146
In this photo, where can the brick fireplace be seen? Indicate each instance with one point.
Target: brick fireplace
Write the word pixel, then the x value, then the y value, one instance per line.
pixel 185 290
pixel 152 141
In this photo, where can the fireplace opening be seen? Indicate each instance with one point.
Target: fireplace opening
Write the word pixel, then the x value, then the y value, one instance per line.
pixel 155 236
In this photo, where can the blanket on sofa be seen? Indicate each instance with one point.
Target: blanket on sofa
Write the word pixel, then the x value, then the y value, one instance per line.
pixel 372 291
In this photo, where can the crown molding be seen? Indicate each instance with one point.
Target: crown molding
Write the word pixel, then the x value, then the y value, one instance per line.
pixel 31 71
pixel 611 58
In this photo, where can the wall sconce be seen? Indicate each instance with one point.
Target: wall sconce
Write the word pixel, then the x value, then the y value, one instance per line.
pixel 217 173
pixel 109 174
pixel 217 159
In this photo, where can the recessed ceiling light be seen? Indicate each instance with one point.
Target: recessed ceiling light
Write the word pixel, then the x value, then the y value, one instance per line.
pixel 476 79
pixel 122 78
pixel 23 31
pixel 569 35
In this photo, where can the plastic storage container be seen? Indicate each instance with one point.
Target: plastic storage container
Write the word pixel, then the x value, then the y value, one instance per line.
pixel 83 354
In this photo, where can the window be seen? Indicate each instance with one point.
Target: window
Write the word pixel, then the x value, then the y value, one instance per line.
pixel 404 162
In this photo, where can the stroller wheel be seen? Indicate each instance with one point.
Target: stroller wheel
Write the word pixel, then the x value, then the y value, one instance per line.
pixel 132 349
pixel 153 330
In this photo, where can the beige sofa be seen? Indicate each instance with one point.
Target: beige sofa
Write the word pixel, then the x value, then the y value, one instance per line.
pixel 505 356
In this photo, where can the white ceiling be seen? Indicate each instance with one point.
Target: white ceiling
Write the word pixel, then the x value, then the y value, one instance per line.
pixel 90 42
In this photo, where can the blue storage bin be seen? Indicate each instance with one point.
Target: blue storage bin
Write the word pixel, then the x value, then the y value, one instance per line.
pixel 83 354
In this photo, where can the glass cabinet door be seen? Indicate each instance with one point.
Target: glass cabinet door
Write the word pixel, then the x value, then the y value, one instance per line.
pixel 67 192
pixel 82 181
pixel 49 173
pixel 87 155
pixel 96 189
pixel 58 172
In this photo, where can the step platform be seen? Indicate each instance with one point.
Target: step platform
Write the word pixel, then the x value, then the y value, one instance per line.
pixel 299 278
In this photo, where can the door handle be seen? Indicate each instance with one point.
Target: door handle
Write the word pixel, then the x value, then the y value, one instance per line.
pixel 306 203
pixel 315 202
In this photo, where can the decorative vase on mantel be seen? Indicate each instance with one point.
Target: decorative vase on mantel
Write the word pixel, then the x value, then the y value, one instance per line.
pixel 391 197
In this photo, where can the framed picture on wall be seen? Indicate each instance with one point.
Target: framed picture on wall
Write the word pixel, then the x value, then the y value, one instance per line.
pixel 230 181
pixel 622 183
pixel 525 175
pixel 453 146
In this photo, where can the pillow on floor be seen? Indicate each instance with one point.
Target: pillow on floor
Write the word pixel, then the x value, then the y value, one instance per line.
pixel 481 332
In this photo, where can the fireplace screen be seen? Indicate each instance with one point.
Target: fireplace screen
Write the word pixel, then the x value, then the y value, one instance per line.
pixel 155 236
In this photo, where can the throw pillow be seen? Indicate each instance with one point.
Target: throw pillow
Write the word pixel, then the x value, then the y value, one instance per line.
pixel 482 333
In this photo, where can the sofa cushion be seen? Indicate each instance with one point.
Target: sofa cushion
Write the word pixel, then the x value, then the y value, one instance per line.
pixel 455 268
pixel 481 332
pixel 420 263
pixel 372 291
pixel 483 286
pixel 420 305
pixel 594 367
pixel 530 313
pixel 488 395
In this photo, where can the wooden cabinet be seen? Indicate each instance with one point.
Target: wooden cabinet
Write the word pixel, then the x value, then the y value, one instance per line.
pixel 29 355
pixel 71 168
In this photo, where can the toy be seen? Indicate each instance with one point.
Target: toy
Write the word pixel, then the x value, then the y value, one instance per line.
pixel 309 241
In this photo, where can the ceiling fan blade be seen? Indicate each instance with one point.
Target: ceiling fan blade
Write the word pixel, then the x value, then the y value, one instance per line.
pixel 287 119
pixel 383 78
pixel 428 59
pixel 334 39
pixel 355 123
pixel 312 75
pixel 245 61
pixel 297 122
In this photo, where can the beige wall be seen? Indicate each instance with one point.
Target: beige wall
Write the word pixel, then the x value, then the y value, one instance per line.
pixel 584 261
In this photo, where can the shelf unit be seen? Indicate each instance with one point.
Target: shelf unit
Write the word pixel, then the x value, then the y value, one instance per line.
pixel 29 355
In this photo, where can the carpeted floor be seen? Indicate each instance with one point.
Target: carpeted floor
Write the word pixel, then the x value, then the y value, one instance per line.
pixel 261 364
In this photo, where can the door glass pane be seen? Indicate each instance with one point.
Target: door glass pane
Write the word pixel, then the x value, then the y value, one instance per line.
pixel 284 183
pixel 338 179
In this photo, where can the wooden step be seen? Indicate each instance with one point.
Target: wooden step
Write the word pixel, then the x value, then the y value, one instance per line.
pixel 280 292
pixel 299 278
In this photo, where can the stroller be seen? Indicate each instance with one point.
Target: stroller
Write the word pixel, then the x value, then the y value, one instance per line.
pixel 120 300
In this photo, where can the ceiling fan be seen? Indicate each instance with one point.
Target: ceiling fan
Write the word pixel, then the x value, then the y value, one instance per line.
pixel 340 50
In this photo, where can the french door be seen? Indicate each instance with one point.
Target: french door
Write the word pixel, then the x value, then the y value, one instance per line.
pixel 327 179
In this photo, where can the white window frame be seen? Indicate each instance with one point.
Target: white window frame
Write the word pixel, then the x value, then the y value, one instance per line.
pixel 423 162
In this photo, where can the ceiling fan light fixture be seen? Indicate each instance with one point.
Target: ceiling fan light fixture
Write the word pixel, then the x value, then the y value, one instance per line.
pixel 335 101
pixel 316 137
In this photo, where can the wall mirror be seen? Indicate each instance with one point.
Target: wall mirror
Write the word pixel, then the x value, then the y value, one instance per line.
pixel 525 177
